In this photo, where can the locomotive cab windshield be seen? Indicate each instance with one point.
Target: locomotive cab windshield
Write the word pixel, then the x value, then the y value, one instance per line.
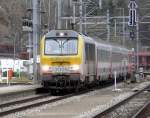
pixel 61 46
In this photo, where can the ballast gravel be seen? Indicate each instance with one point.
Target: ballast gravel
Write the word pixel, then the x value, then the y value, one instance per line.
pixel 82 106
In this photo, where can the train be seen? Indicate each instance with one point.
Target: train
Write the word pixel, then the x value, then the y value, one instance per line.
pixel 70 60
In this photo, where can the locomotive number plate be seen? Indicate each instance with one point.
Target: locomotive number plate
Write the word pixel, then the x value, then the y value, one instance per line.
pixel 60 69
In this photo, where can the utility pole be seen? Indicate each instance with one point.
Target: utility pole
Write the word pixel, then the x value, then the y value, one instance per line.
pixel 74 15
pixel 59 14
pixel 108 26
pixel 137 44
pixel 80 11
pixel 55 26
pixel 85 20
pixel 100 4
pixel 49 13
pixel 115 28
pixel 36 26
pixel 14 58
pixel 134 22
pixel 30 44
pixel 27 27
pixel 123 27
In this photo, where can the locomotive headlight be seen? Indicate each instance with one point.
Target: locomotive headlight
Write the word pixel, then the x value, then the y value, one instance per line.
pixel 61 34
pixel 45 68
pixel 75 67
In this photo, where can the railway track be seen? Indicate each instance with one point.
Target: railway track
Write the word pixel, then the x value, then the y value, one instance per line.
pixel 23 104
pixel 128 107
pixel 144 112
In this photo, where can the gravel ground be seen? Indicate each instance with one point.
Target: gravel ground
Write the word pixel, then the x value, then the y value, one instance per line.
pixel 14 92
pixel 82 106
pixel 129 109
pixel 31 102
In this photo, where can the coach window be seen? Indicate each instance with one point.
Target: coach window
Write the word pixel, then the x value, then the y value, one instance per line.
pixel 104 55
pixel 98 54
pixel 90 52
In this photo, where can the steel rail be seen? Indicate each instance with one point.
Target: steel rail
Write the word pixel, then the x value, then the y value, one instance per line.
pixel 114 107
pixel 141 112
pixel 31 105
pixel 15 102
pixel 38 103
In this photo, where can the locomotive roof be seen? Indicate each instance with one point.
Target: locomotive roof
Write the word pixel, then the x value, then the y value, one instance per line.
pixel 67 33
pixel 106 46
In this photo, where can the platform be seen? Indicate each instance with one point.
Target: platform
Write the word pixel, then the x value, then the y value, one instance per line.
pixel 17 88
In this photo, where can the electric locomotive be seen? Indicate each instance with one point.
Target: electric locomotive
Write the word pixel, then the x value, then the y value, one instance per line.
pixel 69 60
pixel 61 59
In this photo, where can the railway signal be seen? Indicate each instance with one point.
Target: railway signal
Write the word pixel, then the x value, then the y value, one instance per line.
pixel 132 17
pixel 132 35
pixel 132 13
pixel 27 25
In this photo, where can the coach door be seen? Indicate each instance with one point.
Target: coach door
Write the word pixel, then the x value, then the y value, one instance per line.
pixel 90 60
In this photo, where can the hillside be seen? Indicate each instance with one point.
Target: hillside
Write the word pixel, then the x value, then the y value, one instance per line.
pixel 12 12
